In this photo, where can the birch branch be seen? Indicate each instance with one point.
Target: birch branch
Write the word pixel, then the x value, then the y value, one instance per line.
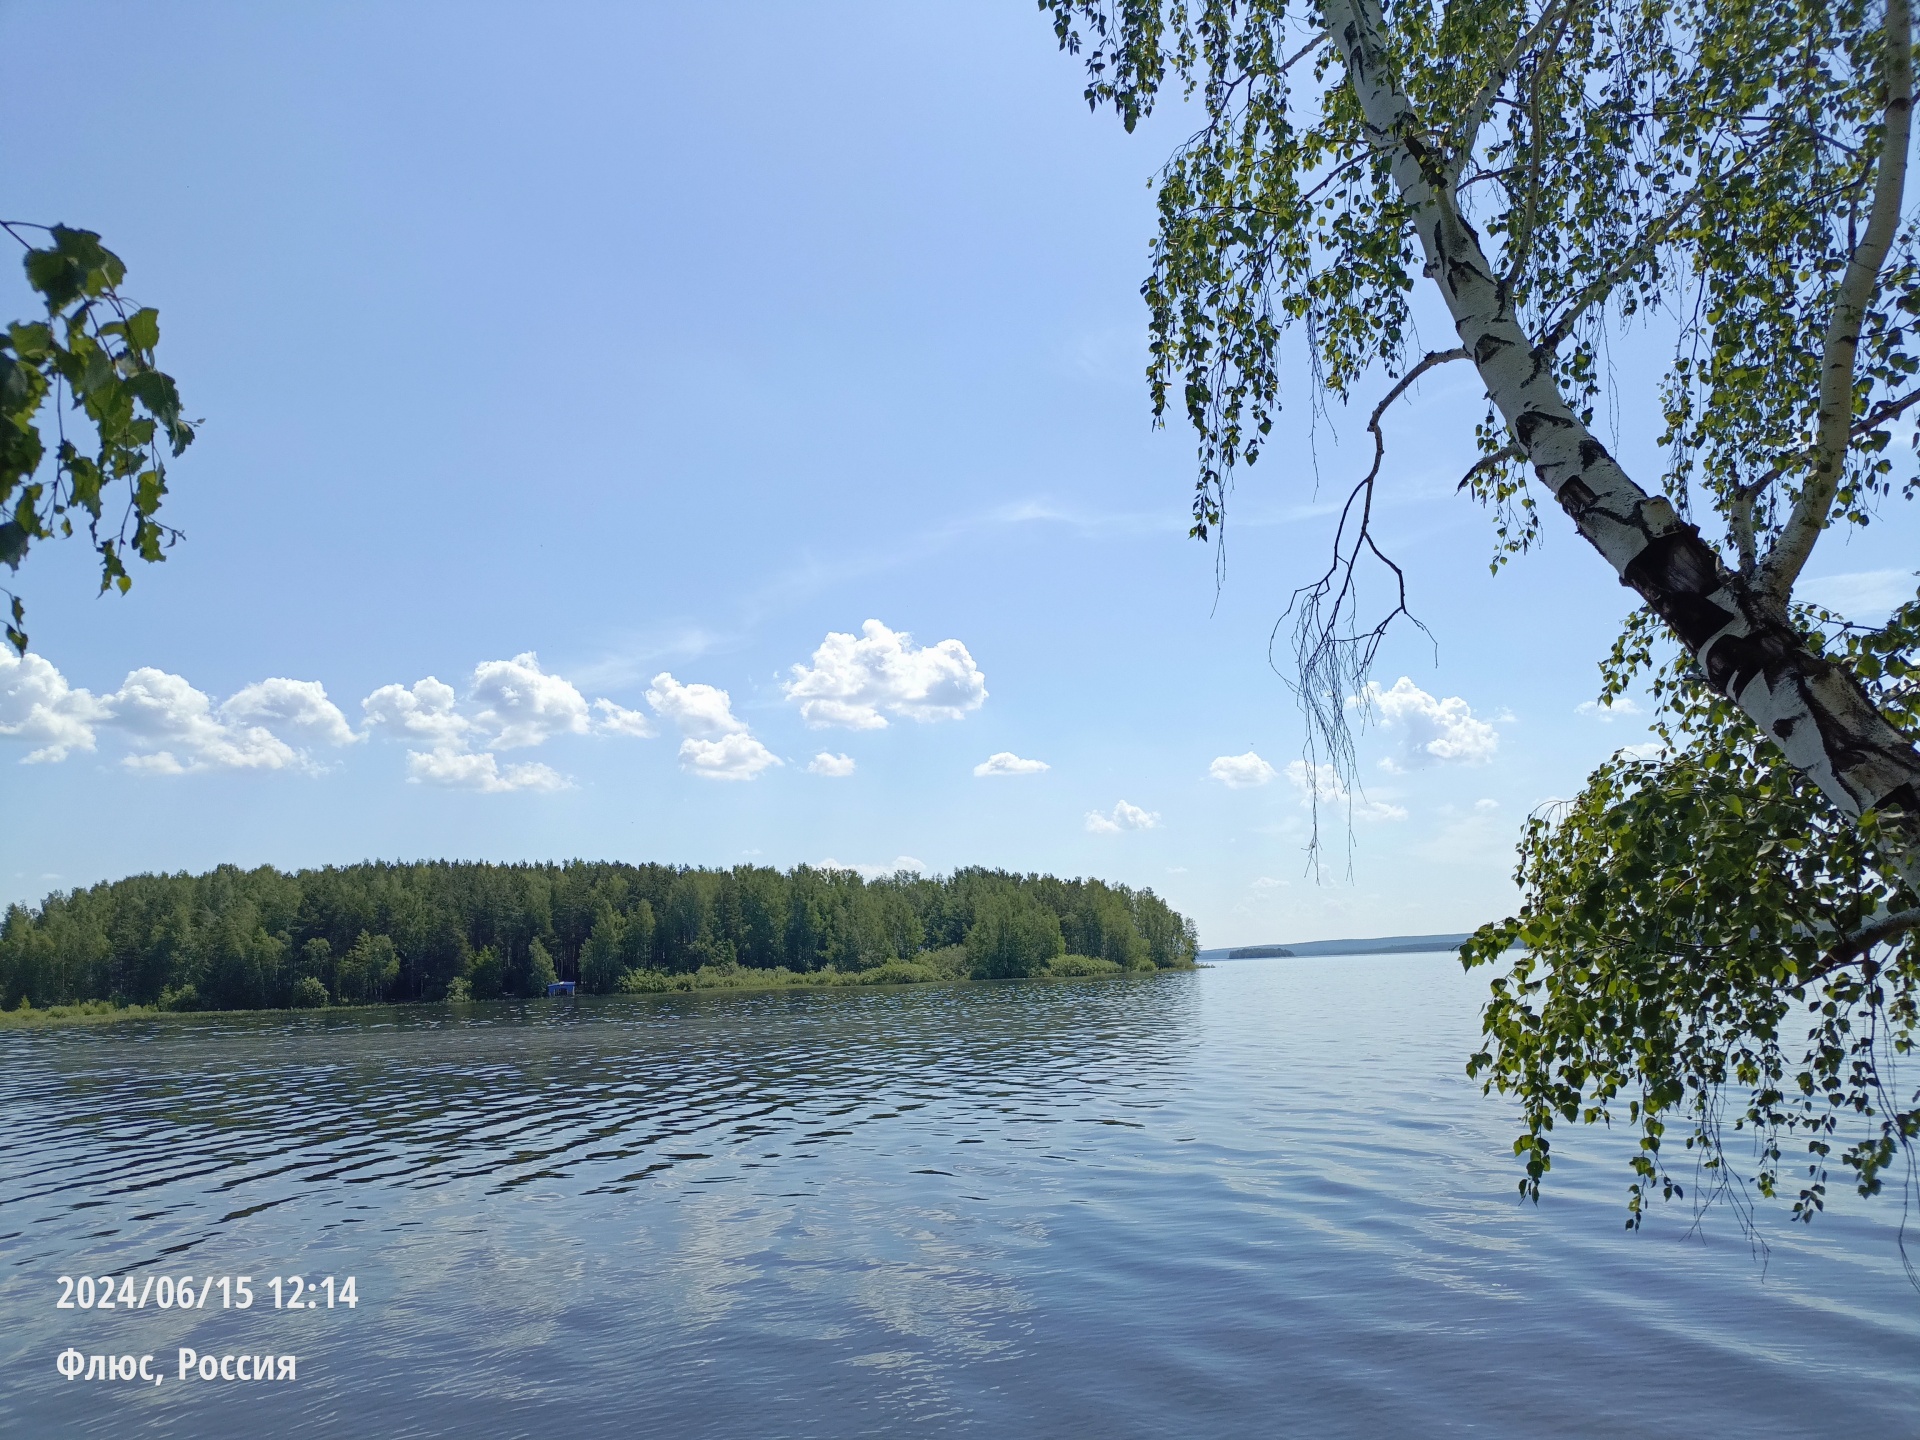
pixel 1741 507
pixel 1436 358
pixel 1864 939
pixel 1486 463
pixel 1833 420
pixel 1461 142
pixel 1636 255
pixel 1305 50
pixel 1872 420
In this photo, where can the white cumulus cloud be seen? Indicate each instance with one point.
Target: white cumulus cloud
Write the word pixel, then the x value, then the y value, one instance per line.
pixel 1432 731
pixel 301 704
pixel 612 719
pixel 509 705
pixel 37 705
pixel 483 772
pixel 853 679
pixel 517 704
pixel 1005 762
pixel 837 766
pixel 1122 817
pixel 428 712
pixel 1241 772
pixel 1322 785
pixel 165 714
pixel 699 710
pixel 718 744
pixel 731 757
pixel 179 729
pixel 173 727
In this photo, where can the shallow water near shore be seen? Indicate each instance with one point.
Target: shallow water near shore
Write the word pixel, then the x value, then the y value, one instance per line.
pixel 1257 1199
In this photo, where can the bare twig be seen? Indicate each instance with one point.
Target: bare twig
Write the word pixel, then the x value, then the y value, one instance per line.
pixel 1332 656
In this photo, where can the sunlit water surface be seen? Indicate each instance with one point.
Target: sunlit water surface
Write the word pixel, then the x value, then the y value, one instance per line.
pixel 1260 1199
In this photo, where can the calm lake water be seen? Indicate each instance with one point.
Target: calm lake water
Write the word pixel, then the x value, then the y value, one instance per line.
pixel 1257 1200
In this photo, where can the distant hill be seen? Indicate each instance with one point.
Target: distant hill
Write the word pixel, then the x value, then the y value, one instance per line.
pixel 1379 945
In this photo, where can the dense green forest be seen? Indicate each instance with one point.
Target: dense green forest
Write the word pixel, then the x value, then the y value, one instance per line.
pixel 433 930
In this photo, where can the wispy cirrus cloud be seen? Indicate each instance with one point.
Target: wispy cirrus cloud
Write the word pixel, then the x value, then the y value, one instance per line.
pixel 1862 594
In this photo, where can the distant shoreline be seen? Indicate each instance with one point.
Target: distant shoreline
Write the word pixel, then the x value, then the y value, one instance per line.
pixel 1307 949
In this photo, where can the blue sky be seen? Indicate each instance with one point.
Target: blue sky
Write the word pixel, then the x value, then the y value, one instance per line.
pixel 590 361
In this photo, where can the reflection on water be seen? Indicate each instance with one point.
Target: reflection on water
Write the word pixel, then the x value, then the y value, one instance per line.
pixel 1257 1199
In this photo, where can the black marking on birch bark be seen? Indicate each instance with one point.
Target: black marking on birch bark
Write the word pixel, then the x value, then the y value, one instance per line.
pixel 1454 267
pixel 1850 752
pixel 1735 661
pixel 1903 800
pixel 1488 346
pixel 1528 424
pixel 1678 576
pixel 1575 498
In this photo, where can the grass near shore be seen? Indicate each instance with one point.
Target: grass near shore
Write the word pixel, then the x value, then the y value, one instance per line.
pixel 937 967
pixel 83 1012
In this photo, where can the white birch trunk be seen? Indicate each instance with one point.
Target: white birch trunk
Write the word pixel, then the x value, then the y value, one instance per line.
pixel 1813 709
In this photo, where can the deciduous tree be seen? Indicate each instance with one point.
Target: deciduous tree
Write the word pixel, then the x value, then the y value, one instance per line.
pixel 87 372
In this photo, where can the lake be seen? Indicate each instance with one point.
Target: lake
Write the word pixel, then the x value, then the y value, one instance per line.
pixel 1258 1199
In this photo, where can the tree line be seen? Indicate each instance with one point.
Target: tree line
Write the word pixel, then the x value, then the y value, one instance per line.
pixel 430 930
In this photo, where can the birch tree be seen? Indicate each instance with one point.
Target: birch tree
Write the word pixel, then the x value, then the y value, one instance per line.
pixel 1733 173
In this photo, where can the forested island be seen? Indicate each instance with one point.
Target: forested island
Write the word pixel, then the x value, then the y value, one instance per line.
pixel 381 932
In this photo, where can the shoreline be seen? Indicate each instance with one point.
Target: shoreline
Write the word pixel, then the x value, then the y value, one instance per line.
pixel 892 975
